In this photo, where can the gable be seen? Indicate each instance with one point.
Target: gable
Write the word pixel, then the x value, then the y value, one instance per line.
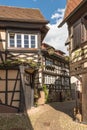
pixel 71 6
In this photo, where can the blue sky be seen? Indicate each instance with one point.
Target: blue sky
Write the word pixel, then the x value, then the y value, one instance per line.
pixel 47 7
pixel 53 10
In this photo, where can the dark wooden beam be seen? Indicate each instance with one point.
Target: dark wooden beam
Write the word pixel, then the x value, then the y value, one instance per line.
pixel 1 57
pixel 14 88
pixel 55 74
pixel 75 72
pixel 6 94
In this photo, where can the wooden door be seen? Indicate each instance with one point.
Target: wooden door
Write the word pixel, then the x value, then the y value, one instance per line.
pixel 28 90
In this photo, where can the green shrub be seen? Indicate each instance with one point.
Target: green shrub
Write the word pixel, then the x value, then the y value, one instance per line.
pixel 45 89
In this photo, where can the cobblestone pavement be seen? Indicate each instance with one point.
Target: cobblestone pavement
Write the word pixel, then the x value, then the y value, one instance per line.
pixel 55 116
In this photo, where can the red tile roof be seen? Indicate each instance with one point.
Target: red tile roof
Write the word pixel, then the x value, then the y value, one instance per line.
pixel 21 14
pixel 71 6
pixel 45 47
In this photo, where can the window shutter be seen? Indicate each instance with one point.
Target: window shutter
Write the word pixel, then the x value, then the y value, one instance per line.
pixel 84 30
pixel 77 35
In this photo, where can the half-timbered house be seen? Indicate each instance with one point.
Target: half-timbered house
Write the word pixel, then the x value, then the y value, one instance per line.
pixel 25 63
pixel 76 18
pixel 21 33
pixel 56 73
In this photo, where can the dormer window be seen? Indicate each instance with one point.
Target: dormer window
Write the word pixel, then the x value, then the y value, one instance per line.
pixel 18 40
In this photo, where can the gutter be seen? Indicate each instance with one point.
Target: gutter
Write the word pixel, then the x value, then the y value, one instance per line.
pixel 74 11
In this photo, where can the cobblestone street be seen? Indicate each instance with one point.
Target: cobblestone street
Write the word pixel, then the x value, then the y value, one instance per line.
pixel 56 116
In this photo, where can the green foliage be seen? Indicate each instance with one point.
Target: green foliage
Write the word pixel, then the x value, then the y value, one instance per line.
pixel 45 89
pixel 19 61
pixel 67 58
pixel 36 96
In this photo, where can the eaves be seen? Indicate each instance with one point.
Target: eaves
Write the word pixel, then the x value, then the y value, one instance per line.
pixel 71 14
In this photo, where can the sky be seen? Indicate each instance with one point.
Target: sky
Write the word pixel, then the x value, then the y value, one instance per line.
pixel 53 11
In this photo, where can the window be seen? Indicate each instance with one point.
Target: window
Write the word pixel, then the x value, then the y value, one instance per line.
pixel 19 40
pixel 58 82
pixel 32 41
pixel 67 81
pixel 48 79
pixel 49 61
pixel 12 40
pixel 26 41
pixel 63 81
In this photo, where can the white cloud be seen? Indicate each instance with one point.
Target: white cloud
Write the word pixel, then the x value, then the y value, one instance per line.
pixel 57 36
pixel 59 14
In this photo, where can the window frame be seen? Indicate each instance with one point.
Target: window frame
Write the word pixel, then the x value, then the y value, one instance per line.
pixel 22 40
pixel 25 39
pixel 48 61
pixel 18 44
pixel 12 34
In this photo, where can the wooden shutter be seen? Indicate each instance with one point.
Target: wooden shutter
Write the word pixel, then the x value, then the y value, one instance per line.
pixel 84 30
pixel 76 35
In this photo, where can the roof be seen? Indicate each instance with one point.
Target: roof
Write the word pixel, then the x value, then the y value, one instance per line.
pixel 45 47
pixel 60 52
pixel 71 7
pixel 21 14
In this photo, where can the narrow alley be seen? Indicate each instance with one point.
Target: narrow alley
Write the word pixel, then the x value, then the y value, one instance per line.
pixel 55 116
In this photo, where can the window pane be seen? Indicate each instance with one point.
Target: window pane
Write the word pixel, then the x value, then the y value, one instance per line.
pixel 12 40
pixel 18 40
pixel 32 41
pixel 26 41
pixel 49 62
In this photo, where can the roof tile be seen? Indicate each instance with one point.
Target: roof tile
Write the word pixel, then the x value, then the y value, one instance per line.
pixel 21 14
pixel 71 5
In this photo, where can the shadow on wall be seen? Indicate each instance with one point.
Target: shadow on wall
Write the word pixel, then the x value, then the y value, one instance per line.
pixel 73 89
pixel 66 107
